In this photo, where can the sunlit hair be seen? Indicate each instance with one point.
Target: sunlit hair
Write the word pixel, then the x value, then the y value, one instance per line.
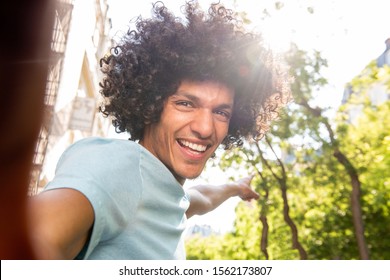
pixel 149 63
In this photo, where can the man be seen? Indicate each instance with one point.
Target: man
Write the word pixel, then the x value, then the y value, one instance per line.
pixel 180 88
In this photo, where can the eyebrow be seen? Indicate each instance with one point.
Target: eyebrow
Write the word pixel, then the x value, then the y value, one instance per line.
pixel 196 99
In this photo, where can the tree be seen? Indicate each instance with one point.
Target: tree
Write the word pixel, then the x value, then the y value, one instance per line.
pixel 365 138
pixel 308 161
pixel 306 78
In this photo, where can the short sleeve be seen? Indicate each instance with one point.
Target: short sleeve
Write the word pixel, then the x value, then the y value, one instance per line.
pixel 106 171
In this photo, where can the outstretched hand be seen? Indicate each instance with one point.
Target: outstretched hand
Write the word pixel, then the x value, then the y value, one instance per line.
pixel 245 191
pixel 205 198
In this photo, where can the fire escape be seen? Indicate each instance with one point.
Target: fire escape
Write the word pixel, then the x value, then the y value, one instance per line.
pixel 58 44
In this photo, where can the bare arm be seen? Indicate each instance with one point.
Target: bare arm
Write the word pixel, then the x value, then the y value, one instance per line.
pixel 60 223
pixel 205 198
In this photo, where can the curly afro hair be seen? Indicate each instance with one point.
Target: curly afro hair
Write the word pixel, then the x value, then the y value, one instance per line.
pixel 149 63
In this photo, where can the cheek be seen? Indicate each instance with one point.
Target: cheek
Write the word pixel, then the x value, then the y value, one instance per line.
pixel 222 131
pixel 176 123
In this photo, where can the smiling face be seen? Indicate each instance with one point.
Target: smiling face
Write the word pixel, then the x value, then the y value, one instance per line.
pixel 194 121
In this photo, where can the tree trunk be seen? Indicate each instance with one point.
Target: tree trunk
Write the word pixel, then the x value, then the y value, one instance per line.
pixel 264 235
pixel 264 222
pixel 357 216
pixel 294 231
pixel 286 208
pixel 263 211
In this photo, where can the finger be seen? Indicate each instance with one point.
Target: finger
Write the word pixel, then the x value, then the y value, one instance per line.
pixel 248 179
pixel 255 195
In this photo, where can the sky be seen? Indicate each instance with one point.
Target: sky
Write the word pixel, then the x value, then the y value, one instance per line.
pixel 348 33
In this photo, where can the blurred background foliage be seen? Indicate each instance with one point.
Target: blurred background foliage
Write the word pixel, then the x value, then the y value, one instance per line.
pixel 324 180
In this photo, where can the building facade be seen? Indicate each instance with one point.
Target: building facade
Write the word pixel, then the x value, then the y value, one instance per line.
pixel 80 38
pixel 378 92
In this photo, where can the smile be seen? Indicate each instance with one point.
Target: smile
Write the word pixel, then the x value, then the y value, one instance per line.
pixel 193 146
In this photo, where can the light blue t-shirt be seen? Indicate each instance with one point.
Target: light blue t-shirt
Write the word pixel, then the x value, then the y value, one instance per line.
pixel 139 206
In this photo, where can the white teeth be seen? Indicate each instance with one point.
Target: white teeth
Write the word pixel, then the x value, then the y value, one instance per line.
pixel 193 146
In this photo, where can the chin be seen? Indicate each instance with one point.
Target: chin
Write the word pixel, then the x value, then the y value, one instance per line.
pixel 190 176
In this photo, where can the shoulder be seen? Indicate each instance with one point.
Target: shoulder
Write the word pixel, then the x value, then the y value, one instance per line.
pixel 98 148
pixel 99 157
pixel 102 144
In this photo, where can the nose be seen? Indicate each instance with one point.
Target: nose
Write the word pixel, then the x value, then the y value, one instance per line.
pixel 203 124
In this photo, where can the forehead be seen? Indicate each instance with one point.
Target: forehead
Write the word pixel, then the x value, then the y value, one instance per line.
pixel 206 92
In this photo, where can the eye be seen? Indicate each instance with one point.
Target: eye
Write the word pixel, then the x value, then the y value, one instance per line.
pixel 223 115
pixel 184 103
